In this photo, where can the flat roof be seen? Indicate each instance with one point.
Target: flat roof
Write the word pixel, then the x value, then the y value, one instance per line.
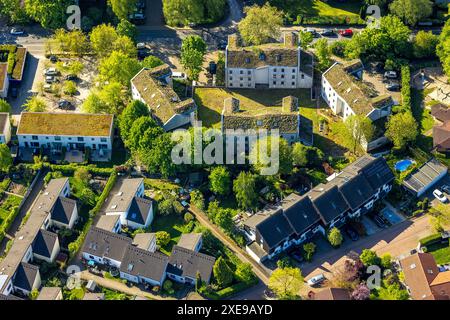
pixel 65 124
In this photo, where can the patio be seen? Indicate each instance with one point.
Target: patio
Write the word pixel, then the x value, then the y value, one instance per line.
pixel 74 156
pixel 101 155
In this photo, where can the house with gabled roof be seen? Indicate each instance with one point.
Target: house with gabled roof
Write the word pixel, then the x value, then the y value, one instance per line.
pixel 46 246
pixel 346 94
pixel 349 194
pixel 441 131
pixel 272 65
pixel 154 87
pixel 5 128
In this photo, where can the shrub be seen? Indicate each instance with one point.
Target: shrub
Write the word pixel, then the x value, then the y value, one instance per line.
pixel 162 238
pixel 188 217
pixel 431 239
pixel 406 88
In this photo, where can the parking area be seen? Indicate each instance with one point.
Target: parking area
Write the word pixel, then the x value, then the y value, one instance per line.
pixel 440 185
pixel 369 225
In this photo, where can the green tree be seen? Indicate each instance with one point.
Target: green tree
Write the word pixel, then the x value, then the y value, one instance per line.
pixel 369 258
pixel 198 281
pixel 82 175
pixel 286 283
pixel 14 11
pixel 224 219
pixel 323 53
pixel 188 217
pixel 126 28
pixel 306 38
pixel 411 11
pixel 220 181
pixel 260 24
pixel 122 8
pixel 70 88
pixel 402 129
pixel 261 155
pixel 126 46
pixel 49 13
pixel 103 38
pixel 162 238
pixel 87 196
pixel 4 106
pixel 309 249
pixel 355 131
pixel 118 67
pixel 132 112
pixel 137 130
pixel 34 294
pixel 425 44
pixel 244 187
pixel 183 12
pixel 158 159
pixel 75 67
pixel 386 261
pixel 299 155
pixel 193 50
pixel 151 62
pixel 391 292
pixel 244 273
pixel 35 104
pixel 6 159
pixel 197 199
pixel 222 273
pixel 74 42
pixel 443 48
pixel 93 104
pixel 165 207
pixel 168 287
pixel 335 237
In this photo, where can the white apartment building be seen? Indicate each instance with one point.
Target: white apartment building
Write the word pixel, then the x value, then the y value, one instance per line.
pixel 274 65
pixel 5 128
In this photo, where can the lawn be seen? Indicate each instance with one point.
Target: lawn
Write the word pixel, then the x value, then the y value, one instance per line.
pixel 318 11
pixel 421 114
pixel 256 102
pixel 440 252
pixel 174 225
pixel 6 206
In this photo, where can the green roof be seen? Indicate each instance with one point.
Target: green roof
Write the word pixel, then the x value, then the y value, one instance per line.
pixel 3 74
pixel 21 55
pixel 66 124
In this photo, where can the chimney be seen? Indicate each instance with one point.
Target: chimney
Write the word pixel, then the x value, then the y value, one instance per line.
pixel 233 41
pixel 231 105
pixel 290 39
pixel 290 104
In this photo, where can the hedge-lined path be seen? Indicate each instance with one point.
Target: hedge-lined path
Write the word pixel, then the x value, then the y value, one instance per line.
pixel 39 184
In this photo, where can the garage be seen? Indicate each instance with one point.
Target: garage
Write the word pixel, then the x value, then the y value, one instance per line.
pixel 424 178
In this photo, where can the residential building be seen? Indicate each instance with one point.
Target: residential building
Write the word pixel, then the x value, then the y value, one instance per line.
pixel 441 132
pixel 109 223
pixel 94 296
pixel 191 241
pixel 127 201
pixel 154 87
pixel 184 264
pixel 423 279
pixel 239 122
pixel 146 241
pixel 50 293
pixel 33 241
pixel 348 194
pixel 346 94
pixel 4 80
pixel 5 128
pixel 424 178
pixel 273 66
pixel 142 266
pixel 70 131
pixel 104 247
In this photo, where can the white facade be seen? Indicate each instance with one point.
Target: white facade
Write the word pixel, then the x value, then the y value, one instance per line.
pixel 53 255
pixel 73 219
pixel 336 103
pixel 69 142
pixel 5 85
pixel 5 136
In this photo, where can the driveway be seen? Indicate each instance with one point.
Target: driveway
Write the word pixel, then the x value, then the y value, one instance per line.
pixel 371 227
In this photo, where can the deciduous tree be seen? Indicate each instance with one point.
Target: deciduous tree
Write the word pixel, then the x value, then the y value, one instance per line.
pixel 162 238
pixel 6 159
pixel 193 50
pixel 411 11
pixel 220 181
pixel 222 272
pixel 260 24
pixel 122 8
pixel 402 129
pixel 286 282
pixel 335 237
pixel 244 187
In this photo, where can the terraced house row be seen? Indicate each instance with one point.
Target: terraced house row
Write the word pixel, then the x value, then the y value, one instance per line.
pixel 348 194
pixel 37 239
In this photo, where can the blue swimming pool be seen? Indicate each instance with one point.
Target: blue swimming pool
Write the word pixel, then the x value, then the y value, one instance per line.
pixel 402 165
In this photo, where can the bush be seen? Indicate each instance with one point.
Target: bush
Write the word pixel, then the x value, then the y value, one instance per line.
pixel 406 88
pixel 432 239
pixel 168 287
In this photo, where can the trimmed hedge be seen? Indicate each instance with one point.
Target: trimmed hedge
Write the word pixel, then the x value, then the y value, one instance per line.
pixel 406 87
pixel 432 239
pixel 69 169
pixel 6 224
pixel 231 290
pixel 75 246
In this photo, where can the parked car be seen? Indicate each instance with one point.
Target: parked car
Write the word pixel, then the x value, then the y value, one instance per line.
pixel 140 45
pixel 446 189
pixel 328 33
pixel 179 75
pixel 316 280
pixel 141 4
pixel 47 87
pixel 50 72
pixel 379 222
pixel 53 58
pixel 222 45
pixel 346 32
pixel 440 196
pixel 390 75
pixel 14 92
pixel 50 79
pixel 393 86
pixel 312 31
pixel 71 77
pixel 17 31
pixel 64 104
pixel 351 232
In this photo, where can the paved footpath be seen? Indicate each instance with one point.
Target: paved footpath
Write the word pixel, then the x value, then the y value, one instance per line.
pixel 239 252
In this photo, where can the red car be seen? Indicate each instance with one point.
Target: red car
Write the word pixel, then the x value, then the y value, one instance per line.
pixel 346 32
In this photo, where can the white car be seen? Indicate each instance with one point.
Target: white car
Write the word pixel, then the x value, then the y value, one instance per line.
pixel 50 79
pixel 440 196
pixel 179 75
pixel 140 46
pixel 316 280
pixel 390 74
pixel 50 72
pixel 16 31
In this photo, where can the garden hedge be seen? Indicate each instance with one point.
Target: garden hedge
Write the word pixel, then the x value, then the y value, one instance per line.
pixel 432 239
pixel 6 224
pixel 406 87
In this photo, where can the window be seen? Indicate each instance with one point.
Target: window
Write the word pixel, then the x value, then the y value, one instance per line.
pixel 34 137
pixel 231 72
pixel 275 70
pixel 81 139
pixel 230 84
pixel 293 71
pixel 92 139
pixel 241 78
pixel 249 79
pixel 241 85
pixel 282 82
pixel 282 76
pixel 249 72
pixel 103 139
pixel 241 72
pixel 274 83
pixel 293 83
pixel 282 70
pixel 231 78
pixel 70 138
pixel 293 76
pixel 46 138
pixel 57 138
pixel 249 85
pixel 274 76
pixel 303 76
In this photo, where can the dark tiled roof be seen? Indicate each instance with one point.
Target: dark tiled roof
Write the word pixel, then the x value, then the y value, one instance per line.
pixel 330 203
pixel 100 243
pixel 25 276
pixel 140 262
pixel 275 230
pixel 441 136
pixel 299 212
pixel 332 294
pixel 356 191
pixel 187 263
pixel 44 243
pixel 421 178
pixel 63 210
pixel 139 210
pixel 9 297
pixel 441 112
pixel 375 170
